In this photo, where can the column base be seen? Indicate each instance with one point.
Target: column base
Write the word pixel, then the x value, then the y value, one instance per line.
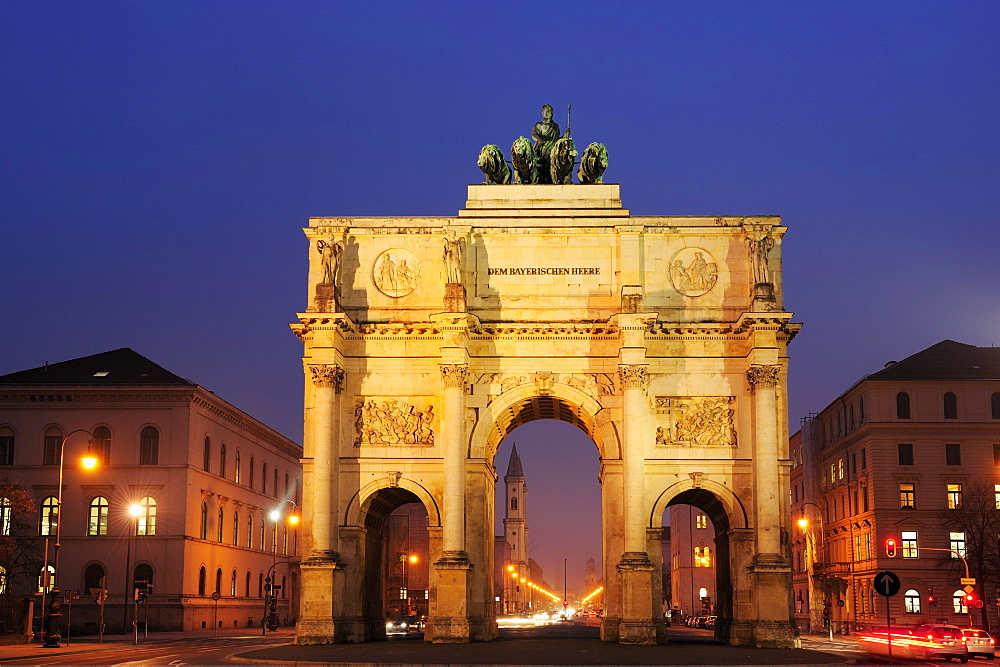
pixel 770 581
pixel 448 621
pixel 636 625
pixel 318 581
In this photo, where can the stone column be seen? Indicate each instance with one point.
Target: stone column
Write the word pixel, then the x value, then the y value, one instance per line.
pixel 320 597
pixel 449 617
pixel 635 569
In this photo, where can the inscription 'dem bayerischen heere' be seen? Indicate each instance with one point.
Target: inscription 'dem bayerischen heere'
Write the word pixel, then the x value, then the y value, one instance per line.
pixel 539 271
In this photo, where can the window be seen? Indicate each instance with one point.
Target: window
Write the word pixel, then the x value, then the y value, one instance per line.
pixel 950 405
pixel 204 522
pixel 149 446
pixel 953 455
pixel 201 580
pixel 702 557
pixel 218 581
pixel 263 479
pixel 284 542
pixel 513 502
pixel 954 496
pixel 260 585
pixel 958 602
pixel 908 542
pixel 286 484
pixel 701 521
pixel 284 588
pixel 251 472
pixel 6 446
pixel 45 578
pixel 146 524
pixel 143 576
pixel 97 523
pixel 92 577
pixel 864 498
pixel 50 453
pixel 207 456
pixel 250 530
pixel 262 528
pixel 840 469
pixel 222 522
pixel 232 584
pixel 100 446
pixel 902 405
pixel 864 460
pixel 833 473
pixel 236 471
pixel 222 461
pixel 995 404
pixel 911 602
pixel 236 529
pixel 905 453
pixel 247 589
pixel 274 487
pixel 957 542
pixel 49 515
pixel 907 496
pixel 6 513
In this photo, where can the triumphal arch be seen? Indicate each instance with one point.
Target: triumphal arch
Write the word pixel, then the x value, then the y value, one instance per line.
pixel 428 339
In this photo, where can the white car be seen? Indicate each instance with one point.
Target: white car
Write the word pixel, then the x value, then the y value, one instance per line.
pixel 980 643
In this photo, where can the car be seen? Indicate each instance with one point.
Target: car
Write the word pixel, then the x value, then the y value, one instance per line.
pixel 979 643
pixel 939 641
pixel 402 625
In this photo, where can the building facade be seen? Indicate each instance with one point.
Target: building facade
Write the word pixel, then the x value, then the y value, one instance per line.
pixel 908 454
pixel 179 502
pixel 692 561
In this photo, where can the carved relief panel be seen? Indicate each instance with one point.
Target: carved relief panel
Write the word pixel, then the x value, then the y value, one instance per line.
pixel 380 421
pixel 695 421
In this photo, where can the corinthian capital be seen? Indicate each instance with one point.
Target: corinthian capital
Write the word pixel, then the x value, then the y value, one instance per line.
pixel 763 377
pixel 328 375
pixel 633 377
pixel 453 375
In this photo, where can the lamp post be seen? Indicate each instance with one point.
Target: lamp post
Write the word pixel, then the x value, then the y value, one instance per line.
pixel 407 560
pixel 51 614
pixel 134 511
pixel 270 621
pixel 814 565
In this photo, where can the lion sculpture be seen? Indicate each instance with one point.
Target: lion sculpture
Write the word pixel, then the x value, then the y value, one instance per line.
pixel 493 165
pixel 593 163
pixel 522 154
pixel 561 160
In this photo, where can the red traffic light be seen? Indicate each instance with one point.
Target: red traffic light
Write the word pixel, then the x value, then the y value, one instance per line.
pixel 969 599
pixel 890 547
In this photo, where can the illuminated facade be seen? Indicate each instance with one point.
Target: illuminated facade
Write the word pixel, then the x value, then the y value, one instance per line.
pixel 692 561
pixel 205 475
pixel 909 452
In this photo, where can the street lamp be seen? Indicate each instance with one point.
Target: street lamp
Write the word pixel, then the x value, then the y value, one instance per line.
pixel 50 620
pixel 270 621
pixel 814 566
pixel 134 510
pixel 412 560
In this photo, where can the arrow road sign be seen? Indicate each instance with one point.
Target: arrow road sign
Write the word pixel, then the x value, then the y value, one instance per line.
pixel 886 583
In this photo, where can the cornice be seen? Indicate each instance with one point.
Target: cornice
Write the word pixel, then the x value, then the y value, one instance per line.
pixel 244 425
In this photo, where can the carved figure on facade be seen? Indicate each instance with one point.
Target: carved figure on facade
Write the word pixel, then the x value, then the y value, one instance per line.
pixel 696 421
pixel 511 381
pixel 593 163
pixel 393 422
pixel 763 376
pixel 543 382
pixel 330 251
pixel 691 273
pixel 396 272
pixel 759 245
pixel 493 165
pixel 605 384
pixel 584 383
pixel 453 247
pixel 522 155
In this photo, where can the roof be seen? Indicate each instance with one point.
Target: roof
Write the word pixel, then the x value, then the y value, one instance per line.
pixel 946 360
pixel 117 367
pixel 514 467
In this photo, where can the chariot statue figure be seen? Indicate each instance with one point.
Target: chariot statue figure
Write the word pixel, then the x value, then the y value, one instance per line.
pixel 545 134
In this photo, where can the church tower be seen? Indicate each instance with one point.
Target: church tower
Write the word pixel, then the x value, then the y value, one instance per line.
pixel 515 525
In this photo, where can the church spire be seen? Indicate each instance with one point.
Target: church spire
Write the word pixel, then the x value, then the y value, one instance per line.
pixel 514 467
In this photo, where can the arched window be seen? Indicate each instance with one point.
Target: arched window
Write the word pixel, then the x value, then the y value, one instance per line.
pixel 222 522
pixel 46 581
pixel 902 405
pixel 218 581
pixel 92 577
pixel 50 450
pixel 146 524
pixel 232 584
pixel 236 529
pixel 513 502
pixel 247 589
pixel 284 542
pixel 204 521
pixel 100 446
pixel 49 516
pixel 286 484
pixel 702 593
pixel 222 461
pixel 97 523
pixel 250 530
pixel 143 576
pixel 7 444
pixel 207 456
pixel 6 514
pixel 958 602
pixel 950 405
pixel 201 580
pixel 251 472
pixel 263 479
pixel 262 529
pixel 260 585
pixel 236 471
pixel 994 407
pixel 911 601
pixel 274 487
pixel 149 447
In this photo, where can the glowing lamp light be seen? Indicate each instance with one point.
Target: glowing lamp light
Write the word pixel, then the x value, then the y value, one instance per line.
pixel 135 510
pixel 293 519
pixel 413 558
pixel 89 462
pixel 275 515
pixel 803 523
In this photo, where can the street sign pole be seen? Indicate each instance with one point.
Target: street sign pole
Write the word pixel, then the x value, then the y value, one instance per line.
pixel 888 627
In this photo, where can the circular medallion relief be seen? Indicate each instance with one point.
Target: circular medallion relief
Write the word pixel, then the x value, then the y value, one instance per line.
pixel 395 272
pixel 693 271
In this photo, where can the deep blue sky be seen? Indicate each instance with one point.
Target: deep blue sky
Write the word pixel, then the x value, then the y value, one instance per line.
pixel 157 161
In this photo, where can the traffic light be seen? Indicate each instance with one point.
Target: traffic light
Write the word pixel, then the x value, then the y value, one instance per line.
pixel 970 599
pixel 890 547
pixel 932 600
